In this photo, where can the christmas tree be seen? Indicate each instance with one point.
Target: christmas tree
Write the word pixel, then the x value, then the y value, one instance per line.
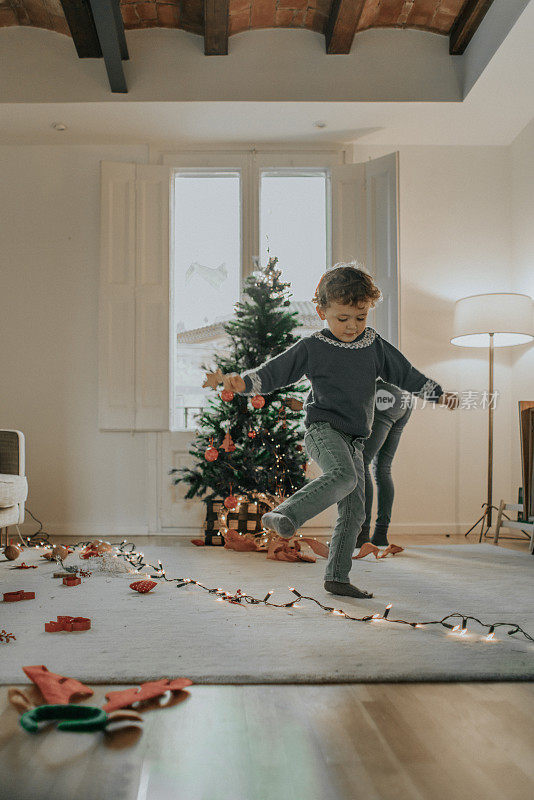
pixel 251 445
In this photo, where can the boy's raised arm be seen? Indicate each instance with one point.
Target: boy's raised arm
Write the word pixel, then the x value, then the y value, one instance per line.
pixel 282 370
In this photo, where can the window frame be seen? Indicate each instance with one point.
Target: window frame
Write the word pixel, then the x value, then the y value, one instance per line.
pixel 251 164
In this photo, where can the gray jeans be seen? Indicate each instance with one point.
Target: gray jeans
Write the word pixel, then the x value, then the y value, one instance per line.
pixel 378 452
pixel 340 456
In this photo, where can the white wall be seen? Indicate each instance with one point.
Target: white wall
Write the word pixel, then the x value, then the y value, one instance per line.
pixel 81 481
pixel 274 64
pixel 522 158
pixel 455 240
pixel 455 236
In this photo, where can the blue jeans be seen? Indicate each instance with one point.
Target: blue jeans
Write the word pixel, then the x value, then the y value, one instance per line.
pixel 378 452
pixel 340 456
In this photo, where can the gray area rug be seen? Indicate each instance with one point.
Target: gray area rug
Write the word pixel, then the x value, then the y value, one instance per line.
pixel 186 632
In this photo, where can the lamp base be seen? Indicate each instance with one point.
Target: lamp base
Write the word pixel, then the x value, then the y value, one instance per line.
pixel 485 519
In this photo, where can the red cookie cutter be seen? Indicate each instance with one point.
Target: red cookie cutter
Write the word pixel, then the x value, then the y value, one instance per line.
pixel 56 688
pixel 125 697
pixel 72 580
pixel 12 597
pixel 68 624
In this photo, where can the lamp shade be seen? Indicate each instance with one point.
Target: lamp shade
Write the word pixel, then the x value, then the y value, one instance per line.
pixel 508 316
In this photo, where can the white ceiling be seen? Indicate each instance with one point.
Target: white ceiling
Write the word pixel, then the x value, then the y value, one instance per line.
pixel 498 107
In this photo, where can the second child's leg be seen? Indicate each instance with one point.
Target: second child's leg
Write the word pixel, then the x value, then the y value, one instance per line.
pixel 333 452
pixel 384 482
pixel 381 428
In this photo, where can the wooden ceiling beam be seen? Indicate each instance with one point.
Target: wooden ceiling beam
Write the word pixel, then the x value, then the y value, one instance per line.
pixel 341 25
pixel 82 27
pixel 110 29
pixel 468 20
pixel 216 27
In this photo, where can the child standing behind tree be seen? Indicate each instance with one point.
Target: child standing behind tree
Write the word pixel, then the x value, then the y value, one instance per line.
pixel 342 364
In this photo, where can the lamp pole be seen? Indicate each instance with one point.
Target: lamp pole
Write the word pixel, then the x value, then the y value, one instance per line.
pixel 490 436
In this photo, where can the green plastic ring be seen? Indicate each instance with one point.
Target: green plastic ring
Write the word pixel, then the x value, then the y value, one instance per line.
pixel 77 719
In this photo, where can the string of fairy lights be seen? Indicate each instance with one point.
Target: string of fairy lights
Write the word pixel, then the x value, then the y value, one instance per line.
pixel 455 623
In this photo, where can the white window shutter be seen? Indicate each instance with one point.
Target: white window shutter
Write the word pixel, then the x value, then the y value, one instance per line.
pixel 134 307
pixel 116 356
pixel 382 241
pixel 152 341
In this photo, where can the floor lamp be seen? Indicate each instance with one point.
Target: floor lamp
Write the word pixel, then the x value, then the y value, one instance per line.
pixel 492 320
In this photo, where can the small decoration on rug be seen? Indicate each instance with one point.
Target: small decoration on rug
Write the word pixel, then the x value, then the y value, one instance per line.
pixel 243 543
pixel 227 395
pixel 368 548
pixel 96 548
pixel 63 574
pixel 68 624
pixel 13 597
pixel 25 566
pixel 143 586
pixel 57 551
pixel 227 444
pixel 84 573
pixel 147 691
pixel 56 688
pixel 75 718
pixel 12 551
pixel 258 401
pixel 6 637
pixel 71 580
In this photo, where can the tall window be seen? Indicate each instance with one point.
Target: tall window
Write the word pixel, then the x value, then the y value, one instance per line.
pixel 292 223
pixel 207 275
pixel 293 226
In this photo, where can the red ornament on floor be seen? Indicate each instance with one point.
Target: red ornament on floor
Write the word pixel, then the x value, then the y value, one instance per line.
pixel 211 454
pixel 230 501
pixel 143 586
pixel 227 395
pixel 258 401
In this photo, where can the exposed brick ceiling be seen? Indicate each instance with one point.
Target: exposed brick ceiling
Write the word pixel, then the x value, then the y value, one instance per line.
pixel 436 16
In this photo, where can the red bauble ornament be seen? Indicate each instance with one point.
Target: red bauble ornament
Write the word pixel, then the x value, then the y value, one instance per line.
pixel 251 434
pixel 227 395
pixel 230 501
pixel 211 454
pixel 258 401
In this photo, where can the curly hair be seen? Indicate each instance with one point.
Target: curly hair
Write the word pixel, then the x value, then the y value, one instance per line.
pixel 348 284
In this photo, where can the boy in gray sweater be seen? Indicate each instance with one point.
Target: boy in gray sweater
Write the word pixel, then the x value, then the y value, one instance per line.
pixel 342 364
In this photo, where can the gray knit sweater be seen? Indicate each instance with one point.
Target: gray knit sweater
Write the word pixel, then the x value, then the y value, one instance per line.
pixel 343 377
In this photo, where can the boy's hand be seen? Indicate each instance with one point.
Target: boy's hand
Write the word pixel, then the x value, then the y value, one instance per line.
pixel 449 399
pixel 234 382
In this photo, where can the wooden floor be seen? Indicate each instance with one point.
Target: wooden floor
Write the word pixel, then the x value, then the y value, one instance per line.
pixel 338 742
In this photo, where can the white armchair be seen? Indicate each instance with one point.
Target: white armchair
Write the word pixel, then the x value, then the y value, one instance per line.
pixel 13 482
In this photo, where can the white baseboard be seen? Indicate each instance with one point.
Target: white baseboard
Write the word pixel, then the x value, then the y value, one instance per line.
pixel 100 530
